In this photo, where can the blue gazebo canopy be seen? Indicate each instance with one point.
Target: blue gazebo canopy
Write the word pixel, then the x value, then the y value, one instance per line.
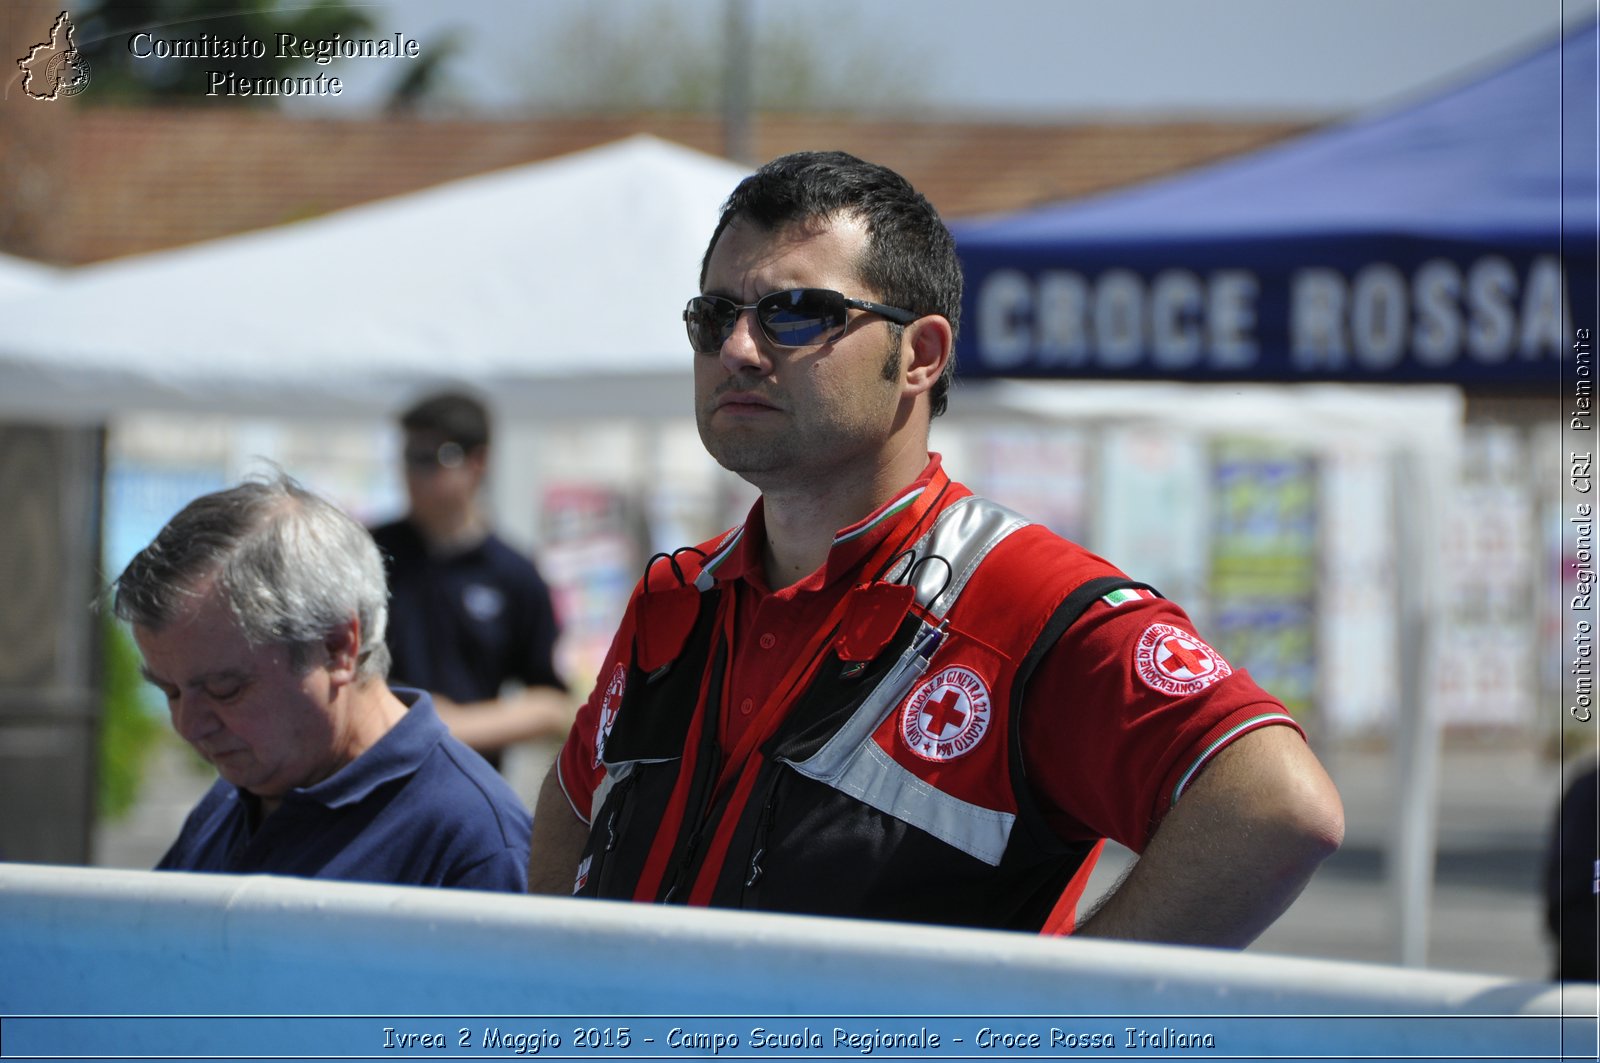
pixel 1450 240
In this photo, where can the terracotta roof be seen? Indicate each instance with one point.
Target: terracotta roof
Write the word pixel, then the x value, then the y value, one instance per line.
pixel 148 179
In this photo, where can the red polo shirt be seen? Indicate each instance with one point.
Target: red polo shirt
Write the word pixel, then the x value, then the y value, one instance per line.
pixel 1119 717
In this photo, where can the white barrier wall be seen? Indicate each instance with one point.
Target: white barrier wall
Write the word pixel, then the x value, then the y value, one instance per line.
pixel 105 947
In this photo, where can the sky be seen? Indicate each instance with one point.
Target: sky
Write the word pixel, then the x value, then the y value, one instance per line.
pixel 1039 59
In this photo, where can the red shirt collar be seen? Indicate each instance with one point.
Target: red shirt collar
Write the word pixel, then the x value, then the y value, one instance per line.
pixel 739 557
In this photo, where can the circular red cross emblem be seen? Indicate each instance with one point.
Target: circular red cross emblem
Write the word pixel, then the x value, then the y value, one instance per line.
pixel 947 716
pixel 1177 662
pixel 608 710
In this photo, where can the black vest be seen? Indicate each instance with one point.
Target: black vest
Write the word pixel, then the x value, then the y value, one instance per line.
pixel 831 823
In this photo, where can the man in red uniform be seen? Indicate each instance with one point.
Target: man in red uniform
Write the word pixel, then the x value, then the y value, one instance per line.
pixel 882 696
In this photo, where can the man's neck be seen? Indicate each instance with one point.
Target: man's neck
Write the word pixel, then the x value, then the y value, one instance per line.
pixel 802 521
pixel 455 534
pixel 372 712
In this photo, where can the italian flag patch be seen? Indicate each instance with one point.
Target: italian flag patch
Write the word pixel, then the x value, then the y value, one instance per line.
pixel 1127 594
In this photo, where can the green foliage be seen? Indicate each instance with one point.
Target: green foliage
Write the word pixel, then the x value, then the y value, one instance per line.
pixel 105 27
pixel 673 56
pixel 127 730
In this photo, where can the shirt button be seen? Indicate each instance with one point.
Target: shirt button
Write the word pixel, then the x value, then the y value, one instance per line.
pixel 768 641
pixel 747 705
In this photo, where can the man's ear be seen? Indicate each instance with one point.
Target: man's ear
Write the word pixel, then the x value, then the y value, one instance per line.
pixel 930 341
pixel 343 645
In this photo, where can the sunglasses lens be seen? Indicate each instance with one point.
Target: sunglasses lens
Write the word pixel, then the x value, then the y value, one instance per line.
pixel 801 317
pixel 710 321
pixel 446 456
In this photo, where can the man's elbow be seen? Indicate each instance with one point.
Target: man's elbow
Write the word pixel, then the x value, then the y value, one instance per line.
pixel 1313 827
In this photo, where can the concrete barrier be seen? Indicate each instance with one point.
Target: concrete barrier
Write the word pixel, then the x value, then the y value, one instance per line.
pixel 79 943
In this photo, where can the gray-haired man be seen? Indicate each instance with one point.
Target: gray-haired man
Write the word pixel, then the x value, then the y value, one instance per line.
pixel 260 613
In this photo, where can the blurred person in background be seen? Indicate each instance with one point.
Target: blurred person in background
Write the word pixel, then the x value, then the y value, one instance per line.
pixel 259 612
pixel 469 614
pixel 1571 877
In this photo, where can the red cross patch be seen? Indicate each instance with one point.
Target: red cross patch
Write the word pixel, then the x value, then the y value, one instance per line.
pixel 608 711
pixel 947 716
pixel 1177 662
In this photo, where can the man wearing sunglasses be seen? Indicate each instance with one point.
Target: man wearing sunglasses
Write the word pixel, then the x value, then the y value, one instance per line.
pixel 469 612
pixel 882 696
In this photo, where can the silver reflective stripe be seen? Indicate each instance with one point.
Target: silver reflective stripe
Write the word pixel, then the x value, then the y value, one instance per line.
pixel 956 544
pixel 615 773
pixel 851 761
pixel 872 777
pixel 829 762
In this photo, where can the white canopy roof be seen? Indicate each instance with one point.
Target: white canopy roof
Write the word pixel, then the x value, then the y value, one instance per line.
pixel 556 286
pixel 21 276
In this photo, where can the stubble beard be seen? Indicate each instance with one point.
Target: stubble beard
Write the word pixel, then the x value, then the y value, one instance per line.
pixel 761 458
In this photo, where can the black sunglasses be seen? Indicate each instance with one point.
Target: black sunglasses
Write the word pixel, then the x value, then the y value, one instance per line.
pixel 797 317
pixel 447 456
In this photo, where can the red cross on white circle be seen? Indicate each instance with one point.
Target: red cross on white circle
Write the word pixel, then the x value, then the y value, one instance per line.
pixel 1176 662
pixel 1179 657
pixel 946 715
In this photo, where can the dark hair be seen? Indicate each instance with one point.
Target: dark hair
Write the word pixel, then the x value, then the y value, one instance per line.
pixel 292 566
pixel 455 416
pixel 910 260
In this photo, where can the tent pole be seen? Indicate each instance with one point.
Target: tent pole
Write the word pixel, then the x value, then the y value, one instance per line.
pixel 1413 843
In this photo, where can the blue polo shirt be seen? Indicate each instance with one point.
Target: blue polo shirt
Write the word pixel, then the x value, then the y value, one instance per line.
pixel 462 624
pixel 418 808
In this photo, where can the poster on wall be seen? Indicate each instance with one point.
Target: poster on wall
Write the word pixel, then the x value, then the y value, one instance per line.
pixel 1151 517
pixel 589 558
pixel 1486 676
pixel 1358 635
pixel 1041 471
pixel 1264 566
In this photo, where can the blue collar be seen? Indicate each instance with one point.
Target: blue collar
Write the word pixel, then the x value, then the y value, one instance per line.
pixel 398 754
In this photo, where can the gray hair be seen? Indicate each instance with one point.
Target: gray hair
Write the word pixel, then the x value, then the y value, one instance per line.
pixel 291 565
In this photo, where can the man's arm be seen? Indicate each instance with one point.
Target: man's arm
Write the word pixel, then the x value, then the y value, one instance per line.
pixel 527 714
pixel 558 840
pixel 1235 851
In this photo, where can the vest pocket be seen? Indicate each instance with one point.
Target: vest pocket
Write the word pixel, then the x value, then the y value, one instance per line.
pixel 605 833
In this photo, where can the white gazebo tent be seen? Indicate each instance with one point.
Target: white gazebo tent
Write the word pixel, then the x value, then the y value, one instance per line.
pixel 22 277
pixel 555 286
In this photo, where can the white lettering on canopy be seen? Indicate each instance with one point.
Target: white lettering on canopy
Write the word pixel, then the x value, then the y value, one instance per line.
pixel 1485 314
pixel 1065 320
pixel 1178 320
pixel 1004 339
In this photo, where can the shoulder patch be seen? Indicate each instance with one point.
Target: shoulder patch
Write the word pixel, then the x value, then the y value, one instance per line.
pixel 947 715
pixel 1177 662
pixel 609 704
pixel 1127 594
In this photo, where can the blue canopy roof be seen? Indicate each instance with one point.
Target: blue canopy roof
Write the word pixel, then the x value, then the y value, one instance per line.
pixel 1450 240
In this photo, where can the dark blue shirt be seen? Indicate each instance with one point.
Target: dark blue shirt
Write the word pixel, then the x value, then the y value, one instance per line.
pixel 418 808
pixel 462 624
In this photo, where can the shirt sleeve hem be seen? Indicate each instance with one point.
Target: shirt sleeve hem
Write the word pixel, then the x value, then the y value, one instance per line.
pixel 561 780
pixel 1233 731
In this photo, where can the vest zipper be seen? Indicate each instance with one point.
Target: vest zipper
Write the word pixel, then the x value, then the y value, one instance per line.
pixel 618 800
pixel 763 832
pixel 712 767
